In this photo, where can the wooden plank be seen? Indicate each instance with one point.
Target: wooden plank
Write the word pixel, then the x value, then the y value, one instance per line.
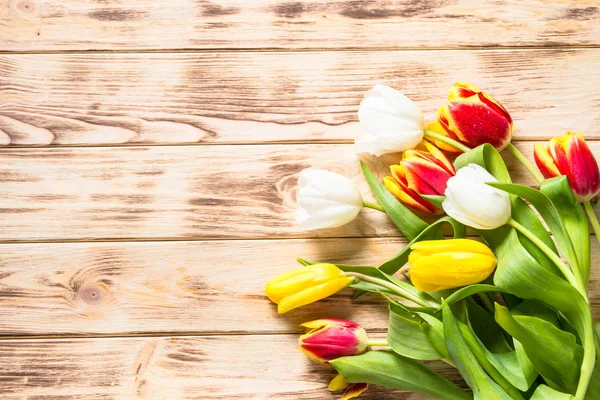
pixel 223 367
pixel 36 25
pixel 174 192
pixel 159 287
pixel 96 99
pixel 195 288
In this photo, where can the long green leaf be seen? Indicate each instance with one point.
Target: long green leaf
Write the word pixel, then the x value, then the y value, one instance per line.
pixel 470 290
pixel 404 219
pixel 554 353
pixel 406 337
pixel 549 213
pixel 544 392
pixel 573 218
pixel 483 387
pixel 386 368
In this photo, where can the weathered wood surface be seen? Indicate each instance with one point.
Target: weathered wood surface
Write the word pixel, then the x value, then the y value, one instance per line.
pixel 96 99
pixel 199 288
pixel 214 367
pixel 189 192
pixel 36 25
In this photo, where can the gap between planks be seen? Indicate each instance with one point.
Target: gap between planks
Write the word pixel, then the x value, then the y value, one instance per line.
pixel 236 143
pixel 301 50
pixel 155 335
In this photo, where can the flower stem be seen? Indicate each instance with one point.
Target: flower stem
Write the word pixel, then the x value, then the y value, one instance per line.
pixel 589 210
pixel 589 358
pixel 523 160
pixel 564 268
pixel 374 206
pixel 388 285
pixel 447 140
pixel 377 343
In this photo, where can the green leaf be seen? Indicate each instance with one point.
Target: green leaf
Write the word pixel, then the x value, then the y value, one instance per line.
pixel 593 392
pixel 406 338
pixel 434 330
pixel 554 353
pixel 489 158
pixel 486 328
pixel 386 368
pixel 435 200
pixel 407 222
pixel 470 290
pixel 483 387
pixel 572 217
pixel 544 392
pixel 549 213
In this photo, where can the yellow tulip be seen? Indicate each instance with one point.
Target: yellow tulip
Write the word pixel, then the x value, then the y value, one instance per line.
pixel 306 285
pixel 445 264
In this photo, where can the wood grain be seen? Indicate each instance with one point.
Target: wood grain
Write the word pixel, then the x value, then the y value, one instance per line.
pixel 225 367
pixel 200 288
pixel 37 25
pixel 276 97
pixel 174 192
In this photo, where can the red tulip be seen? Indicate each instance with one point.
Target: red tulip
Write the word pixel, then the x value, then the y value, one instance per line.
pixel 570 155
pixel 473 118
pixel 351 390
pixel 420 172
pixel 328 339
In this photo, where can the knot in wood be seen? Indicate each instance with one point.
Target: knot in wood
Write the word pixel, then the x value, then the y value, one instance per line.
pixel 92 294
pixel 26 6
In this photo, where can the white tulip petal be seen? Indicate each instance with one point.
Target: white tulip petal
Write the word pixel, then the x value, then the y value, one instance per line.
pixel 326 200
pixel 472 202
pixel 391 122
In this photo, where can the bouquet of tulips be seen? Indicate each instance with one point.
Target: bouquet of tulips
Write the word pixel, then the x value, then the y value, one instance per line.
pixel 505 303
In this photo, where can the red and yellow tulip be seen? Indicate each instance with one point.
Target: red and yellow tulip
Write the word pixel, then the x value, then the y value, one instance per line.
pixel 446 264
pixel 305 285
pixel 328 339
pixel 473 118
pixel 570 155
pixel 420 172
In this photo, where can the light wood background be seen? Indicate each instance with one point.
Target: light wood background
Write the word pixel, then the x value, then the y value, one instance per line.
pixel 148 165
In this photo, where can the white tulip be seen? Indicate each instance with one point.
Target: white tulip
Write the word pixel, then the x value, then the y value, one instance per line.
pixel 473 203
pixel 391 122
pixel 326 200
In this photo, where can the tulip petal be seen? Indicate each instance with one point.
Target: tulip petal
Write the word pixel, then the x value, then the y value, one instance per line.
pixel 312 294
pixel 354 391
pixel 475 124
pixel 583 172
pixel 425 177
pixel 436 126
pixel 408 196
pixel 338 383
pixel 319 323
pixel 428 247
pixel 544 162
pixel 299 279
pixel 391 122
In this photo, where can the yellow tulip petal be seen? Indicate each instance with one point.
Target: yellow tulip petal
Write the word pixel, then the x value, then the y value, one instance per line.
pixel 338 383
pixel 460 245
pixel 313 293
pixel 299 279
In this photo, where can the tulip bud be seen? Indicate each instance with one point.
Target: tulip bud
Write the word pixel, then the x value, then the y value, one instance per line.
pixel 445 264
pixel 326 200
pixel 328 339
pixel 472 202
pixel 420 172
pixel 474 117
pixel 391 122
pixel 306 285
pixel 570 155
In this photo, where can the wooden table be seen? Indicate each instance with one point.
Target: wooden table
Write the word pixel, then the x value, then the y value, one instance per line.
pixel 149 164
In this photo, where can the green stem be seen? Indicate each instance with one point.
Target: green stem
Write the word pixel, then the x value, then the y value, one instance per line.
pixel 374 206
pixel 388 285
pixel 377 343
pixel 523 160
pixel 589 358
pixel 589 210
pixel 447 140
pixel 564 268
